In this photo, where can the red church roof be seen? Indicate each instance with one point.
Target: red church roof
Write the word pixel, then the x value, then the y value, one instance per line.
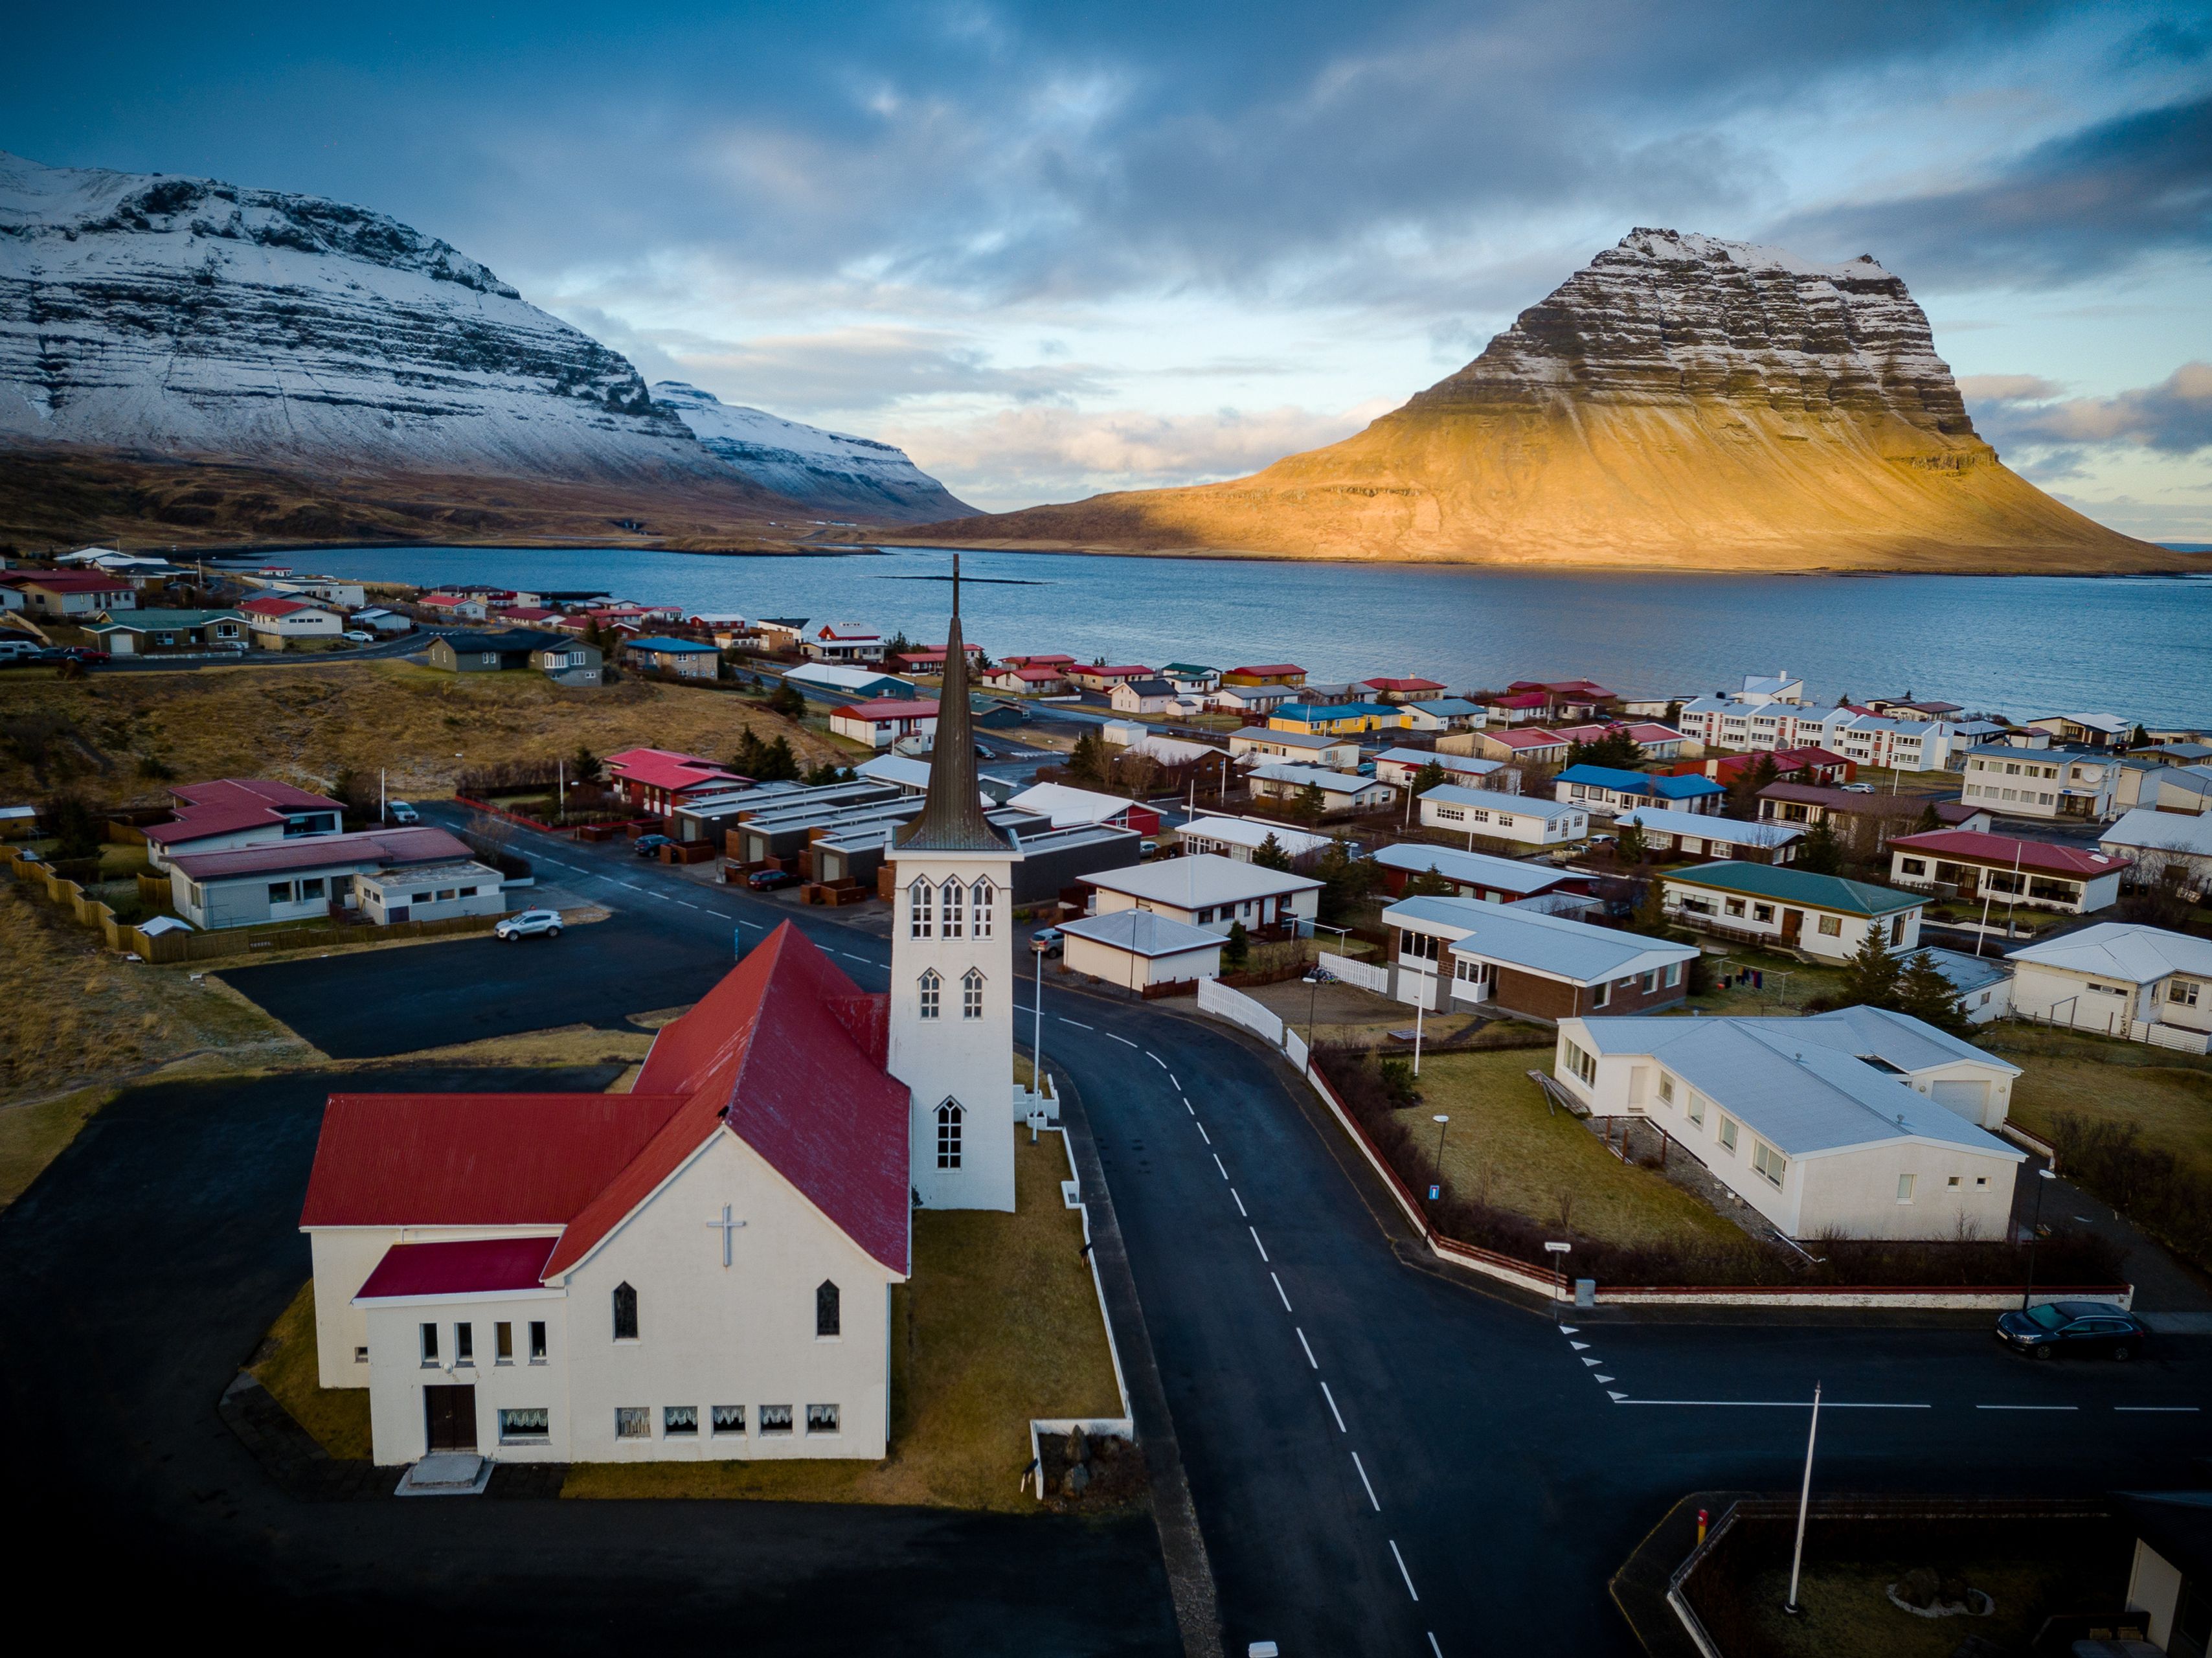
pixel 467 1267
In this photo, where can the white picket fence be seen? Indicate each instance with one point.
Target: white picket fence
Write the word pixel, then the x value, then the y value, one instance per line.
pixel 1368 975
pixel 1214 996
pixel 1295 1046
pixel 2170 1036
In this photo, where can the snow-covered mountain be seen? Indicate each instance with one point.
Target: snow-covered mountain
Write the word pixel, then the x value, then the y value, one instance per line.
pixel 852 477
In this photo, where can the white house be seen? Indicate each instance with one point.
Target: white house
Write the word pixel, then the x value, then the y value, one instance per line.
pixel 698 1270
pixel 1343 791
pixel 379 620
pixel 1499 816
pixel 1257 745
pixel 1823 916
pixel 1192 678
pixel 882 720
pixel 1401 766
pixel 2156 840
pixel 1527 963
pixel 234 812
pixel 1477 875
pixel 430 891
pixel 1443 713
pixel 1137 948
pixel 1152 695
pixel 1252 698
pixel 278 623
pixel 2089 730
pixel 2017 782
pixel 300 880
pixel 1857 1124
pixel 2142 983
pixel 2008 871
pixel 1071 808
pixel 862 682
pixel 1700 834
pixel 1239 838
pixel 1984 982
pixel 842 642
pixel 1781 686
pixel 1208 891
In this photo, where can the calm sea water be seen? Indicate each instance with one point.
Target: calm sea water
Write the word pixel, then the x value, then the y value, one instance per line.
pixel 2019 646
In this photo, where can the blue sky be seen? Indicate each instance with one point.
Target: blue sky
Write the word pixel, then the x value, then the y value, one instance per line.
pixel 1053 250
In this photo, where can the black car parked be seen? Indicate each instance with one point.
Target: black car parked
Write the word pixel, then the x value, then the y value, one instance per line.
pixel 768 880
pixel 2084 1329
pixel 647 846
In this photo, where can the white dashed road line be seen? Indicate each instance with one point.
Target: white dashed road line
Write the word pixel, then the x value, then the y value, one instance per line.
pixel 1433 1647
pixel 1779 1404
pixel 1078 1023
pixel 1262 1247
pixel 1403 1573
pixel 1161 1063
pixel 2027 1407
pixel 1307 1345
pixel 1208 1139
pixel 849 956
pixel 1286 1299
pixel 1172 1083
pixel 1368 1482
pixel 1333 1410
pixel 1217 1164
pixel 1240 1209
pixel 1123 1040
pixel 2158 1410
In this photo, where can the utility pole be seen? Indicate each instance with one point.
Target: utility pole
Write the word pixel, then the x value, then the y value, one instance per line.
pixel 2035 1231
pixel 1804 1502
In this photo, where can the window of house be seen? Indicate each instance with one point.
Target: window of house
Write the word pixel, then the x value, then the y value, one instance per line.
pixel 1904 1188
pixel 633 1422
pixel 971 995
pixel 949 1119
pixel 978 909
pixel 679 1421
pixel 280 892
pixel 538 1341
pixel 1897 930
pixel 729 1418
pixel 775 1418
pixel 1913 866
pixel 1648 982
pixel 1981 1180
pixel 464 1343
pixel 360 1355
pixel 933 989
pixel 950 906
pixel 1483 817
pixel 829 1320
pixel 445 895
pixel 2182 992
pixel 1832 926
pixel 1674 974
pixel 1952 1181
pixel 315 886
pixel 1600 993
pixel 418 898
pixel 468 891
pixel 820 1419
pixel 525 1426
pixel 502 1344
pixel 1666 1088
pixel 1767 1161
pixel 1763 912
pixel 1727 1133
pixel 1736 906
pixel 430 1343
pixel 920 910
pixel 1582 1064
pixel 1697 1108
pixel 625 1303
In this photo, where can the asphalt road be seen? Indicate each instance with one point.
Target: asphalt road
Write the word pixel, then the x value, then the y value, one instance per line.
pixel 139 1273
pixel 1385 1458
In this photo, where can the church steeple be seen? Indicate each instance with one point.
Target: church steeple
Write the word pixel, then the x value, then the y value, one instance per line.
pixel 951 819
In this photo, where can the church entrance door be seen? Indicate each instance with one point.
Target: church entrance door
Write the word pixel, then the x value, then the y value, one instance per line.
pixel 450 1417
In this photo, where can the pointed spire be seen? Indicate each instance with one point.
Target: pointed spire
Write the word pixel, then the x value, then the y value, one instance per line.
pixel 951 819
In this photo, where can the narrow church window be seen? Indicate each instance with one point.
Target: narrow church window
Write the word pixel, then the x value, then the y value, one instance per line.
pixel 948 1135
pixel 538 1341
pixel 952 909
pixel 920 900
pixel 464 1343
pixel 971 995
pixel 430 1343
pixel 775 1418
pixel 931 985
pixel 729 1418
pixel 502 1344
pixel 828 1321
pixel 679 1419
pixel 625 1313
pixel 633 1422
pixel 820 1419
pixel 978 909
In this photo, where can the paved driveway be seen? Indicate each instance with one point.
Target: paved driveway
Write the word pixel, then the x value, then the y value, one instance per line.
pixel 139 1272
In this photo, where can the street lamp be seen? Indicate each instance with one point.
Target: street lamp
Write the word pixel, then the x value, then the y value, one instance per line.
pixel 1804 1503
pixel 2034 1232
pixel 1440 1120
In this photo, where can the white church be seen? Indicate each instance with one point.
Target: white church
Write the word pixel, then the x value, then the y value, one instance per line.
pixel 702 1268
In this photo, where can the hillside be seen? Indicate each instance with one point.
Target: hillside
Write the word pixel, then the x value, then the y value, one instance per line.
pixel 1680 402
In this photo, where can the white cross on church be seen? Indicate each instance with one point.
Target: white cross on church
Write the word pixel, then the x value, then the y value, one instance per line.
pixel 726 1226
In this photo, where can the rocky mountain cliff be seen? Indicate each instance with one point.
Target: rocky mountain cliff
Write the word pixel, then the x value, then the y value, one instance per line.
pixel 851 478
pixel 1681 402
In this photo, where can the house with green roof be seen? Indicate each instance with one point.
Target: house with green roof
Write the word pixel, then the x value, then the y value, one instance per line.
pixel 1192 679
pixel 1776 904
pixel 156 633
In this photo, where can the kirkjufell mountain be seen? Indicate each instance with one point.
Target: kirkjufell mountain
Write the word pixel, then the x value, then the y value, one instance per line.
pixel 1679 402
pixel 319 370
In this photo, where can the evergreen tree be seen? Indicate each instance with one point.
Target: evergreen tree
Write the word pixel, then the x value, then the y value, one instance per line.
pixel 1310 804
pixel 1628 843
pixel 1650 918
pixel 1431 884
pixel 789 701
pixel 1743 792
pixel 1088 762
pixel 584 766
pixel 1346 880
pixel 1238 949
pixel 2140 740
pixel 1616 749
pixel 1430 776
pixel 898 645
pixel 778 763
pixel 1928 821
pixel 1820 853
pixel 1270 854
pixel 76 828
pixel 1923 992
pixel 1871 976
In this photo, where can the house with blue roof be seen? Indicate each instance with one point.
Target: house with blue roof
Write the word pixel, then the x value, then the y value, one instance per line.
pixel 1333 719
pixel 1605 790
pixel 687 659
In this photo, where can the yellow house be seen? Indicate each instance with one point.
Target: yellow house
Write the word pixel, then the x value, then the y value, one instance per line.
pixel 1333 719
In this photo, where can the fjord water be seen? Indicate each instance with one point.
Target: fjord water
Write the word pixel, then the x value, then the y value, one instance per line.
pixel 2021 646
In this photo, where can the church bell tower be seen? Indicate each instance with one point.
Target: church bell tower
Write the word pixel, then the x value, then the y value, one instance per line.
pixel 953 968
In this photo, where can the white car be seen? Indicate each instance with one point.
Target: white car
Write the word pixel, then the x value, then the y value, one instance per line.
pixel 355 636
pixel 528 923
pixel 399 811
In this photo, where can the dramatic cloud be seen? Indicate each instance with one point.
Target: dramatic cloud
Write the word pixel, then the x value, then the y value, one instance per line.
pixel 2173 417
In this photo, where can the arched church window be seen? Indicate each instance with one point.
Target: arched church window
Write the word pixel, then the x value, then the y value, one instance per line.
pixel 949 1118
pixel 978 909
pixel 625 1313
pixel 952 896
pixel 932 988
pixel 920 910
pixel 971 995
pixel 828 1319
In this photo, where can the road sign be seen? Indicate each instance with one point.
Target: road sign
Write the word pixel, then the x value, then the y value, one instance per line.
pixel 1435 1192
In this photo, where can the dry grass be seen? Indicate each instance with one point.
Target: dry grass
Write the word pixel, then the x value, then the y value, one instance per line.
pixel 33 1135
pixel 2171 1105
pixel 1000 1324
pixel 286 1365
pixel 306 724
pixel 1847 1611
pixel 1503 1148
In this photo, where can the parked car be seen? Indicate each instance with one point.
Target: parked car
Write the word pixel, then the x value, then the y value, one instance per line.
pixel 647 846
pixel 399 811
pixel 1048 940
pixel 84 653
pixel 19 650
pixel 1147 848
pixel 358 636
pixel 2084 1329
pixel 768 880
pixel 1858 789
pixel 529 923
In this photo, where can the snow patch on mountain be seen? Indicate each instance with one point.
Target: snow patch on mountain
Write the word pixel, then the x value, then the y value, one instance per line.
pixel 833 471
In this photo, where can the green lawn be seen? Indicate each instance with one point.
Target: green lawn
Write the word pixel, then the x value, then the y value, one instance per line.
pixel 1504 1148
pixel 2171 1104
pixel 32 1136
pixel 1789 984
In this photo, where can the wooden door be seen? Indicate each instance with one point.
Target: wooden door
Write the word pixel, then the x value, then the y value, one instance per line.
pixel 449 1418
pixel 1793 924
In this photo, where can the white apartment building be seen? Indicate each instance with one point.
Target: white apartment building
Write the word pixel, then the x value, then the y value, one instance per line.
pixel 2042 783
pixel 1500 816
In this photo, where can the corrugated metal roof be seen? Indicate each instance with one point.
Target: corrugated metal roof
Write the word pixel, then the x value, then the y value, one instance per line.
pixel 1143 932
pixel 1528 938
pixel 471 1267
pixel 1799 886
pixel 2119 949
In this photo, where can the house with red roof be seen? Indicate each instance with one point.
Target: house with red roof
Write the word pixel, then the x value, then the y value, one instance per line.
pixel 234 812
pixel 1653 740
pixel 2037 875
pixel 659 780
pixel 699 1270
pixel 453 606
pixel 1515 707
pixel 385 875
pixel 1289 674
pixel 879 721
pixel 1102 677
pixel 842 642
pixel 66 594
pixel 1532 744
pixel 1033 678
pixel 277 623
pixel 1387 690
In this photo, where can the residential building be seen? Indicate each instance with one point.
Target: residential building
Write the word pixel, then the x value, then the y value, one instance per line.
pixel 1192 679
pixel 1514 707
pixel 1258 745
pixel 1781 686
pixel 1864 822
pixel 1103 677
pixel 1914 708
pixel 1288 675
pixel 165 632
pixel 1054 659
pixel 1068 807
pixel 453 606
pixel 1251 701
pixel 842 642
pixel 1029 680
pixel 1494 814
pixel 278 624
pixel 1574 699
pixel 1334 719
pixel 687 659
pixel 1492 957
pixel 1740 724
pixel 1477 874
pixel 380 620
pixel 336 594
pixel 2159 840
pixel 1653 741
pixel 1441 714
pixel 428 892
pixel 1874 739
pixel 1984 982
pixel 1823 916
pixel 1402 765
pixel 2185 789
pixel 1527 745
pixel 929 660
pixel 1168 751
pixel 311 876
pixel 1342 791
pixel 1813 765
pixel 1240 838
pixel 2120 979
pixel 1605 790
pixel 497 653
pixel 1151 695
pixel 66 596
pixel 2008 871
pixel 1858 1123
pixel 659 780
pixel 1138 948
pixel 2169 1577
pixel 2048 783
pixel 2086 730
pixel 1671 833
pixel 780 634
pixel 861 682
pixel 572 663
pixel 1210 891
pixel 882 720
pixel 1384 689
pixel 234 812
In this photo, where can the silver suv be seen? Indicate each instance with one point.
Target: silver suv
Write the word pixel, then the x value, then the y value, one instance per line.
pixel 526 922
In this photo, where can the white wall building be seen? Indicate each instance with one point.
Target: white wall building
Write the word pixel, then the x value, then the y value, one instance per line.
pixel 2042 783
pixel 1859 1123
pixel 1341 791
pixel 2119 979
pixel 2158 840
pixel 1401 766
pixel 1823 916
pixel 1699 834
pixel 1239 838
pixel 1257 745
pixel 1208 890
pixel 1137 948
pixel 1499 816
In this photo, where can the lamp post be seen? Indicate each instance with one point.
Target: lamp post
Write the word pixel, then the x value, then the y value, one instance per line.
pixel 1804 1502
pixel 2034 1232
pixel 1440 1120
